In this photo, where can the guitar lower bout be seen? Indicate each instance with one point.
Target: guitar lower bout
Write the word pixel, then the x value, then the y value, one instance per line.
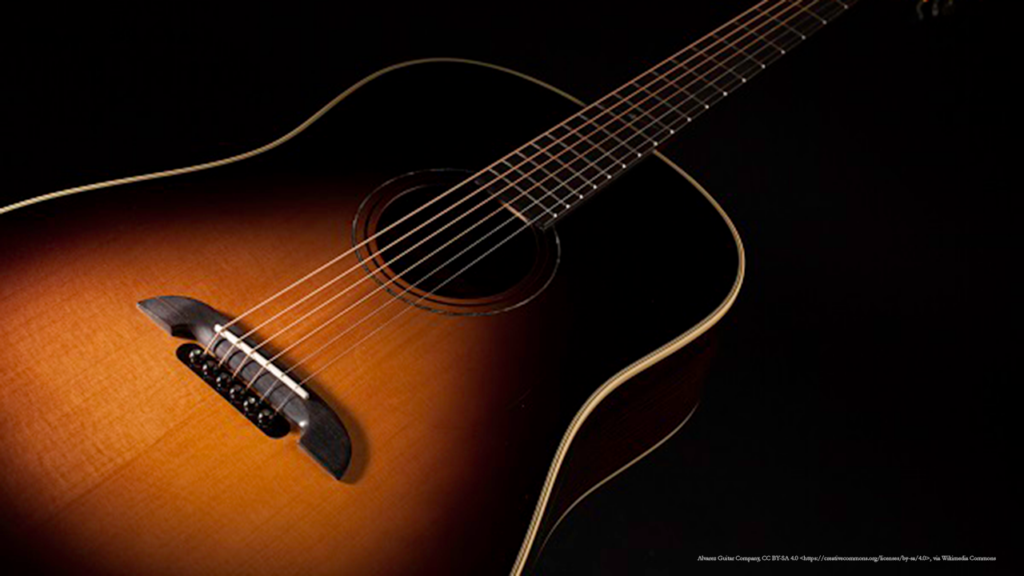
pixel 478 412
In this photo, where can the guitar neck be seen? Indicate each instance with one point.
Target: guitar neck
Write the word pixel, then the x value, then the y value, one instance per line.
pixel 554 173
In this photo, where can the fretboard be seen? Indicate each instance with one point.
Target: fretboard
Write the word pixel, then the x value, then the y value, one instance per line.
pixel 548 177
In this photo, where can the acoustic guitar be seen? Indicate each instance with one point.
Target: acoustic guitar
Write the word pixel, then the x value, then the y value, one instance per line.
pixel 347 352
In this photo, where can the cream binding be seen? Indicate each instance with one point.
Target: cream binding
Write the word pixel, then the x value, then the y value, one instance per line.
pixel 596 398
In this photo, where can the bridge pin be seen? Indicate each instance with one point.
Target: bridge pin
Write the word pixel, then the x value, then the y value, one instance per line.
pixel 250 404
pixel 265 417
pixel 236 393
pixel 222 381
pixel 209 368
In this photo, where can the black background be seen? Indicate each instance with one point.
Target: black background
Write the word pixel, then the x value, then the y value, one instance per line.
pixel 854 405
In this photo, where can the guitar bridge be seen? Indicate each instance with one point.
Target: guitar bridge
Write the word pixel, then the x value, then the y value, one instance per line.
pixel 258 389
pixel 249 404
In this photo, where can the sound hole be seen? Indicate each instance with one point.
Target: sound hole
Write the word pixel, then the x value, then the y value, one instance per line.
pixel 452 249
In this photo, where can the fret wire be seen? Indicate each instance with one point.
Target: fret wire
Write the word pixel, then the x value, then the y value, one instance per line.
pixel 628 118
pixel 843 7
pixel 720 62
pixel 572 173
pixel 804 9
pixel 662 101
pixel 524 195
pixel 673 82
pixel 755 34
pixel 824 21
pixel 570 149
pixel 687 69
pixel 767 53
pixel 784 24
pixel 653 120
pixel 631 116
pixel 782 36
pixel 516 202
pixel 564 178
pixel 762 40
pixel 588 168
pixel 740 53
pixel 536 184
pixel 603 128
pixel 683 90
pixel 666 81
pixel 604 165
pixel 555 141
pixel 714 76
pixel 579 189
pixel 743 52
pixel 741 64
pixel 705 102
pixel 765 38
pixel 409 308
pixel 551 174
pixel 806 24
pixel 519 196
pixel 752 36
pixel 815 13
pixel 784 40
pixel 541 151
pixel 714 84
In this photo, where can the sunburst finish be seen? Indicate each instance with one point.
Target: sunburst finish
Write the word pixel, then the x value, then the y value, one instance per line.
pixel 116 459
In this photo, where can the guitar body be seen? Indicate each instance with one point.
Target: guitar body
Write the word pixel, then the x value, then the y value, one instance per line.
pixel 476 420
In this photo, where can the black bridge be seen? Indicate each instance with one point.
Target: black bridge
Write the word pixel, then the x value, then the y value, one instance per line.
pixel 234 390
pixel 273 402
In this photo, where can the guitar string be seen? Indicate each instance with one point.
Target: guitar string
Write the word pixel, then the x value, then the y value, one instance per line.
pixel 552 174
pixel 397 297
pixel 745 53
pixel 406 309
pixel 365 242
pixel 415 285
pixel 424 259
pixel 539 184
pixel 355 248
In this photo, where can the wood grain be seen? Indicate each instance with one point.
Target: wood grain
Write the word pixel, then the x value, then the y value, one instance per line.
pixel 116 460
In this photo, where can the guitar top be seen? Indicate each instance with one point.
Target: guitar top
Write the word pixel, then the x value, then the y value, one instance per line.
pixel 409 336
